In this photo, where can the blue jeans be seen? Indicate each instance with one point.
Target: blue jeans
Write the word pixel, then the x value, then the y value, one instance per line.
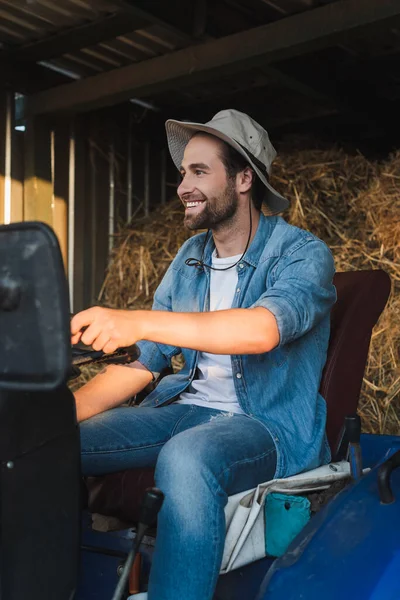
pixel 201 456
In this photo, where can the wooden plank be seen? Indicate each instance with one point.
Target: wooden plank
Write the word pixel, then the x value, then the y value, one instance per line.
pixel 129 181
pixel 111 195
pixel 38 188
pixel 81 285
pixel 61 186
pixel 282 39
pixel 4 152
pixel 146 199
pixel 121 192
pixel 17 173
pixel 3 126
pixel 93 209
pixel 11 163
pixel 101 173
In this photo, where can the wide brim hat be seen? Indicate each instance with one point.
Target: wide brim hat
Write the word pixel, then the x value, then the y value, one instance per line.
pixel 241 132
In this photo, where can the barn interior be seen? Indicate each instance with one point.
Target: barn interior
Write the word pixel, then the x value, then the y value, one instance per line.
pixel 87 85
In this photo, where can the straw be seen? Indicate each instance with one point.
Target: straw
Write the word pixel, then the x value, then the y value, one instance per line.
pixel 351 203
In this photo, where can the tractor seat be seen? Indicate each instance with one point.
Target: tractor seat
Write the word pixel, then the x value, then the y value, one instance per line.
pixel 361 297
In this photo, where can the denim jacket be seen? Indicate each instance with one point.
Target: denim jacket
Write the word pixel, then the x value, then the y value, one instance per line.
pixel 288 271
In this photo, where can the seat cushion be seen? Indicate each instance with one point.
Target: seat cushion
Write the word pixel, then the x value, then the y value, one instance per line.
pixel 119 494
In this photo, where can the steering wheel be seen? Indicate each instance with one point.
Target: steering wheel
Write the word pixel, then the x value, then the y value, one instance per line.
pixel 84 355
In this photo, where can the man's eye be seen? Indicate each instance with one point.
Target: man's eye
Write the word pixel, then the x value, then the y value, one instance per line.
pixel 199 172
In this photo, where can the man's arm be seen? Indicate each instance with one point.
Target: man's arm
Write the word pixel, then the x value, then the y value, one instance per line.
pixel 110 388
pixel 233 331
pixel 301 296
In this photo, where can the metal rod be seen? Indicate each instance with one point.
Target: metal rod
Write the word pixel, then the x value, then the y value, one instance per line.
pixel 146 179
pixel 106 551
pixel 71 215
pixel 7 162
pixel 111 205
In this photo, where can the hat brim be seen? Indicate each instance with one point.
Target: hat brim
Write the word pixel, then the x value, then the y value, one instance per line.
pixel 178 135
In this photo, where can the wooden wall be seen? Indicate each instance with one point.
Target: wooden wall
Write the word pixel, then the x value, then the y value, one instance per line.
pixel 86 176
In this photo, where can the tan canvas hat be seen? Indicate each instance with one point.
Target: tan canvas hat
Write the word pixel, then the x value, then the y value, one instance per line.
pixel 242 133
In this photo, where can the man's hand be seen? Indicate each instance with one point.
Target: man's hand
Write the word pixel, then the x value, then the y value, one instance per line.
pixel 106 329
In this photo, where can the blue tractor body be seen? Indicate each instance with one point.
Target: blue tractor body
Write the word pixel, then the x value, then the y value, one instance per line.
pixel 350 549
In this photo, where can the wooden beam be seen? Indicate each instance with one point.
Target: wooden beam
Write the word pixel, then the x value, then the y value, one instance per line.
pixel 76 38
pixel 28 78
pixel 174 16
pixel 283 39
pixel 5 156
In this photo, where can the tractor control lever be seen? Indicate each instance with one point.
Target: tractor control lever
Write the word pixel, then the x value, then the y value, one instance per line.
pixel 152 502
pixel 353 434
pixel 84 356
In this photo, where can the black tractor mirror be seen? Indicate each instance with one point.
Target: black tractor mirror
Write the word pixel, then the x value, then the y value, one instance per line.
pixel 35 347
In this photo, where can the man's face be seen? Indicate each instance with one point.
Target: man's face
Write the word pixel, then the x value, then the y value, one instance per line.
pixel 209 196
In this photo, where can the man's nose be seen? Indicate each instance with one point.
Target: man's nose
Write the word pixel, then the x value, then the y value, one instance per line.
pixel 186 186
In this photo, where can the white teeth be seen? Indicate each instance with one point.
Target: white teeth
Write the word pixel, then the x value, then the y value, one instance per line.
pixel 192 204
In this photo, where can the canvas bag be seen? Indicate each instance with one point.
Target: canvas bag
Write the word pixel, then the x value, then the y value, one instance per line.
pixel 244 514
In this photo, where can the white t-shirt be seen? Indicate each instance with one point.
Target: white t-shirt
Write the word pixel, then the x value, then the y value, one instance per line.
pixel 214 387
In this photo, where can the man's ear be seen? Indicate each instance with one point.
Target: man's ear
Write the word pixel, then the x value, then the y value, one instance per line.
pixel 245 180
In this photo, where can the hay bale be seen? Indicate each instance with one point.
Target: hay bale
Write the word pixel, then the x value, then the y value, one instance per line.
pixel 354 206
pixel 351 203
pixel 141 256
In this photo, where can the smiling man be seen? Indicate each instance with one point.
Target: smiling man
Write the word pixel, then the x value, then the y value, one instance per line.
pixel 248 305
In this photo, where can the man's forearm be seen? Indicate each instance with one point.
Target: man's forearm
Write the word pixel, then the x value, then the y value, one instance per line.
pixel 234 331
pixel 110 388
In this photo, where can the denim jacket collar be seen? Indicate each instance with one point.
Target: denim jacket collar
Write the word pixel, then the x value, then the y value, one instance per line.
pixel 265 228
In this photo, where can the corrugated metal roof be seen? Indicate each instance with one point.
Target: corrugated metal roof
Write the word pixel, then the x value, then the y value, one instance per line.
pixel 24 22
pixel 132 47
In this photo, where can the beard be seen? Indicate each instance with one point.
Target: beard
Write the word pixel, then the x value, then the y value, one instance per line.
pixel 216 210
